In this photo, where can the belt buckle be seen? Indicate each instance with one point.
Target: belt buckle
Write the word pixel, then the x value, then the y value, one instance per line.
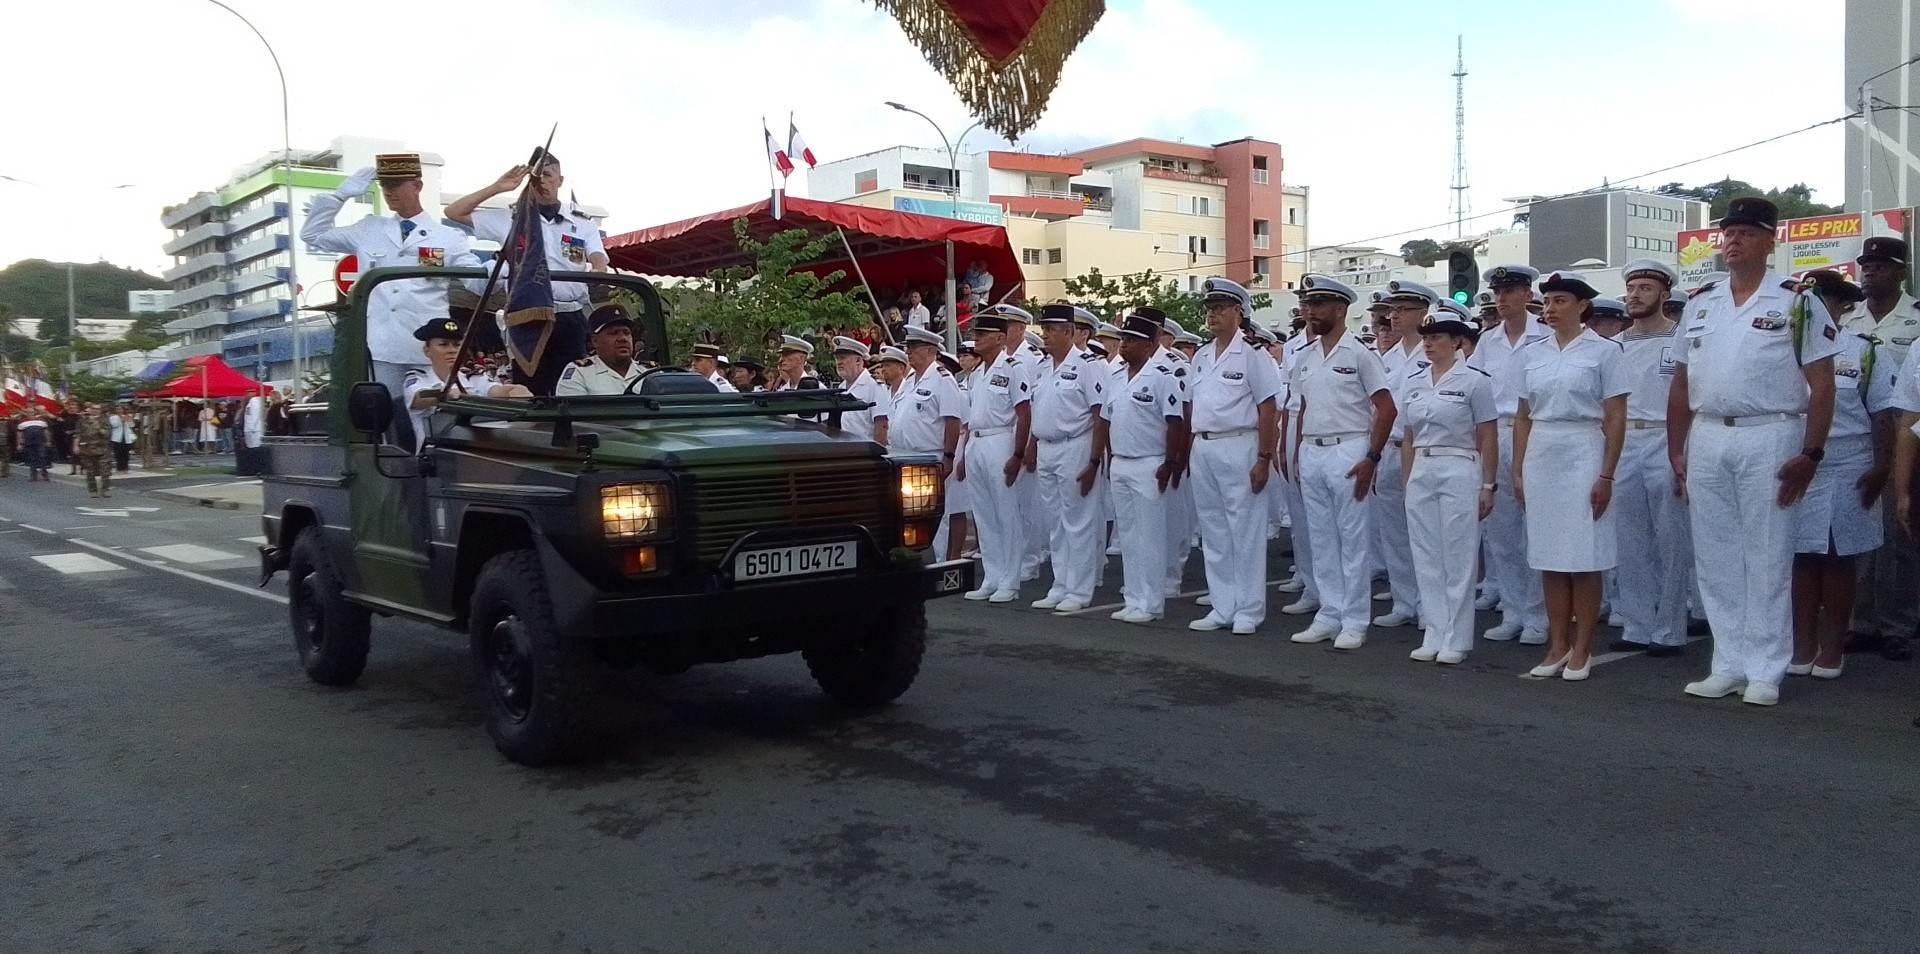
pixel 1730 421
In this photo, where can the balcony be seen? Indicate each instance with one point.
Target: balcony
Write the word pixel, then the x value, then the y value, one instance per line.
pixel 199 293
pixel 932 187
pixel 206 231
pixel 262 213
pixel 261 246
pixel 1156 172
pixel 263 278
pixel 1262 241
pixel 1043 203
pixel 185 211
pixel 211 318
pixel 195 265
pixel 260 309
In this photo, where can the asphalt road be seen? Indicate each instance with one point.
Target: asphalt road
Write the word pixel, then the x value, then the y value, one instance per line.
pixel 172 783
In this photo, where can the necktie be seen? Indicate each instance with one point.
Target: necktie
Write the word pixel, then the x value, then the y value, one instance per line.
pixel 551 212
pixel 406 229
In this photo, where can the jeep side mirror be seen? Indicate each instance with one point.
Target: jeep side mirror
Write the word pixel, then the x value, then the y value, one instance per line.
pixel 370 408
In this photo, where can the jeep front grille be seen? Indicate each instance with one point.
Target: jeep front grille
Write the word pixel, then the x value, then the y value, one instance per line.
pixel 731 501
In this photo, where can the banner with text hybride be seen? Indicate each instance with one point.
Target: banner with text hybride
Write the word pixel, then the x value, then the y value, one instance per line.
pixel 1801 245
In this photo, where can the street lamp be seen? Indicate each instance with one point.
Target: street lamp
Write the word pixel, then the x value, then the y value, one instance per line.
pixel 953 170
pixel 286 176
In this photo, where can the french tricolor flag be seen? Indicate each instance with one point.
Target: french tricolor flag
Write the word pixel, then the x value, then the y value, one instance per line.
pixel 797 147
pixel 782 163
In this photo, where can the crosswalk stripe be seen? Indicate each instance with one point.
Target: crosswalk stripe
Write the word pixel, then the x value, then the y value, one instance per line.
pixel 76 563
pixel 257 541
pixel 190 553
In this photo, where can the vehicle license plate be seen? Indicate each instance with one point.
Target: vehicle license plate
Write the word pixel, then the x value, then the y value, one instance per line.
pixel 795 561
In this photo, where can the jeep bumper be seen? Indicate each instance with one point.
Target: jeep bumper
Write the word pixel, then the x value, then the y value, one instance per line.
pixel 772 604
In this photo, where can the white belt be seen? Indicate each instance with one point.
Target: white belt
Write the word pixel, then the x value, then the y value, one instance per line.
pixel 992 431
pixel 1748 420
pixel 1139 456
pixel 1329 440
pixel 1222 435
pixel 1460 452
pixel 1063 440
pixel 1645 425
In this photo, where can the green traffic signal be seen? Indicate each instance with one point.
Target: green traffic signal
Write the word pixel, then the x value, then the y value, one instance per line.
pixel 1461 297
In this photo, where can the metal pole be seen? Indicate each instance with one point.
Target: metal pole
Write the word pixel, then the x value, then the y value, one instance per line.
pixel 953 307
pixel 71 349
pixel 1866 159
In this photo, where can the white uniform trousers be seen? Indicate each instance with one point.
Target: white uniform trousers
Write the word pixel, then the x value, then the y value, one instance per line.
pixel 1521 601
pixel 1743 543
pixel 1140 522
pixel 1179 532
pixel 1655 572
pixel 1299 536
pixel 1036 519
pixel 1338 525
pixel 959 501
pixel 1391 548
pixel 996 510
pixel 1075 537
pixel 1443 527
pixel 1233 537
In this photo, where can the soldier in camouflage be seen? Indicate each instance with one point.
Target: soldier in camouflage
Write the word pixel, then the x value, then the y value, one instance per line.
pixel 91 444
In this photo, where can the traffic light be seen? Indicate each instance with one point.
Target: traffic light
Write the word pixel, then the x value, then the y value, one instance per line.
pixel 1463 276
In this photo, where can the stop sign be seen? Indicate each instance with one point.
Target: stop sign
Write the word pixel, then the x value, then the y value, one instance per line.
pixel 345 272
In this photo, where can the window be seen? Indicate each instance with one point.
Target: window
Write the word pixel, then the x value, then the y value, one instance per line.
pixel 866 180
pixel 1261 271
pixel 1053 256
pixel 1193 283
pixel 1029 256
pixel 1259 170
pixel 1156 162
pixel 1201 206
pixel 1290 215
pixel 1262 234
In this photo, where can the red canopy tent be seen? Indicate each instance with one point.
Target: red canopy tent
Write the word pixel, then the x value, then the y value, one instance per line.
pixel 894 248
pixel 206 377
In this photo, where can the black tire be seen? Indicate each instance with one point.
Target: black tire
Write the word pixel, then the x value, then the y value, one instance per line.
pixel 876 666
pixel 330 634
pixel 534 683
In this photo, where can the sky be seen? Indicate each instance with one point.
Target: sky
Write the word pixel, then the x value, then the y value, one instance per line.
pixel 659 103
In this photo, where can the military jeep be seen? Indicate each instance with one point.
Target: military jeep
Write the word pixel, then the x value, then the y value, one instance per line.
pixel 663 528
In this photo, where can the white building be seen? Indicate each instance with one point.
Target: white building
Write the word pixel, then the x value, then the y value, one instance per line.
pixel 148 302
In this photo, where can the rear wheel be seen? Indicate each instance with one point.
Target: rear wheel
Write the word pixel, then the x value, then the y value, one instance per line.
pixel 533 682
pixel 331 634
pixel 878 664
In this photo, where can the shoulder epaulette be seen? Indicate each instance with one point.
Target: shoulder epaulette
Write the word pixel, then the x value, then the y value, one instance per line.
pixel 1179 372
pixel 1702 290
pixel 1416 372
pixel 1787 283
pixel 1482 371
pixel 586 362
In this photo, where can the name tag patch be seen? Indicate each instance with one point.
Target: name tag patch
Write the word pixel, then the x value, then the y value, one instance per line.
pixel 1143 396
pixel 1770 322
pixel 997 381
pixel 1339 370
pixel 1233 375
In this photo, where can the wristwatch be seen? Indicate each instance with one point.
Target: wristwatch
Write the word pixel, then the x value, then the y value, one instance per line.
pixel 1489 487
pixel 1815 454
pixel 1373 455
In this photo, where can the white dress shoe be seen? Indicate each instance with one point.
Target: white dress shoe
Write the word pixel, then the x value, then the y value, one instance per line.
pixel 1800 669
pixel 1291 585
pixel 1502 632
pixel 1449 657
pixel 1822 672
pixel 1391 620
pixel 1204 599
pixel 1119 613
pixel 1350 640
pixel 979 594
pixel 1532 637
pixel 1761 694
pixel 1301 607
pixel 1206 624
pixel 1615 620
pixel 1383 595
pixel 1423 654
pixel 1317 633
pixel 1548 670
pixel 1069 606
pixel 1243 628
pixel 1716 687
pixel 1113 550
pixel 1571 674
pixel 1486 602
pixel 1004 596
pixel 1136 616
pixel 1045 602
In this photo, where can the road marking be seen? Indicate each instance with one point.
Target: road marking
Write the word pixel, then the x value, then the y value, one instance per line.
pixel 257 541
pixel 1605 658
pixel 12 531
pixel 91 526
pixel 188 574
pixel 190 553
pixel 76 563
pixel 37 529
pixel 111 511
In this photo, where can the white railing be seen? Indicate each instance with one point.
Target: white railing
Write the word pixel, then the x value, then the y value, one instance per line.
pixel 1259 177
pixel 1050 194
pixel 1263 241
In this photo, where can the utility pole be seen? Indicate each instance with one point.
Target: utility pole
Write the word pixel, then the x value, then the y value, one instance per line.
pixel 1459 137
pixel 71 349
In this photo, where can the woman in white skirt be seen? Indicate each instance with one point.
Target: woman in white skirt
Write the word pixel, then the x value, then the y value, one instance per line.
pixel 1452 456
pixel 1839 518
pixel 1566 441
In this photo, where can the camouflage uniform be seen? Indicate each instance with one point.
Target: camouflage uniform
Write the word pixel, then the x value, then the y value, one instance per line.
pixel 91 445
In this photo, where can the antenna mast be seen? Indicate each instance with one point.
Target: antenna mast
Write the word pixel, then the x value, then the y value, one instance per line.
pixel 1459 186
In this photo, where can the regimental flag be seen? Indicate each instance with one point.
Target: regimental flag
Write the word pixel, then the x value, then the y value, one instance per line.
pixel 781 162
pixel 529 288
pixel 13 394
pixel 797 147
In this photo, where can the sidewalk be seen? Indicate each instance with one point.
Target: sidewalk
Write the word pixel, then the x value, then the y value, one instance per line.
pixel 221 495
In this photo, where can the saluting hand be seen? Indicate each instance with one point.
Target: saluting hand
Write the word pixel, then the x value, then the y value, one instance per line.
pixel 509 179
pixel 1794 475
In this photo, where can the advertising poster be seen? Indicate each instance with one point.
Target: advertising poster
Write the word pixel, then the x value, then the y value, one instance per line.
pixel 1801 245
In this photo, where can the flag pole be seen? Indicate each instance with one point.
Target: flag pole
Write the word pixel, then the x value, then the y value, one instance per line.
pixel 499 260
pixel 766 141
pixel 880 317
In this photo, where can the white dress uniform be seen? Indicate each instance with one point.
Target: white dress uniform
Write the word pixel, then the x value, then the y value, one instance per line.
pixel 918 424
pixel 1655 571
pixel 1335 385
pixel 1749 398
pixel 1180 513
pixel 1885 604
pixel 1299 536
pixel 424 379
pixel 1441 416
pixel 865 388
pixel 1829 519
pixel 1522 608
pixel 1036 521
pixel 1565 392
pixel 1138 413
pixel 1231 380
pixel 1066 400
pixel 570 240
pixel 1392 548
pixel 720 383
pixel 991 422
pixel 591 377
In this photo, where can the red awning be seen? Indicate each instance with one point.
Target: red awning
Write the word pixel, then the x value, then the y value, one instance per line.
pixel 206 377
pixel 895 248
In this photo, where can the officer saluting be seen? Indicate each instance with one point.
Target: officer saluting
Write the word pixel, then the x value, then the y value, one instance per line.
pixel 1146 432
pixel 1747 423
pixel 1066 402
pixel 612 367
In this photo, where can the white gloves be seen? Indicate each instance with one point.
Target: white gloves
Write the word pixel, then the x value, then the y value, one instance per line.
pixel 356 185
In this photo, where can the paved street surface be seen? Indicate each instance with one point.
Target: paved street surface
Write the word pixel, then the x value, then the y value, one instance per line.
pixel 172 783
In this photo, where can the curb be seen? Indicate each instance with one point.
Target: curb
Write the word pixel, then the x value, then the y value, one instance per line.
pixel 210 502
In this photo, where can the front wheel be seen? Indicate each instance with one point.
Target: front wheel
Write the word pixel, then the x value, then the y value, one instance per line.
pixel 331 634
pixel 875 666
pixel 532 681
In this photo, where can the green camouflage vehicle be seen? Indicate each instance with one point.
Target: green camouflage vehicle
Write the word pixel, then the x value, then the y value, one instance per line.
pixel 666 528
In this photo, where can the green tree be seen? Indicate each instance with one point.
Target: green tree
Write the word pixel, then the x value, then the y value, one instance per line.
pixel 1422 252
pixel 1110 297
pixel 1794 201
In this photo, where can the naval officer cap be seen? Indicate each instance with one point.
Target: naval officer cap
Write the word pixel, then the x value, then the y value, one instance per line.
pixel 396 166
pixel 1377 301
pixel 1613 308
pixel 1570 282
pixel 948 361
pixel 1083 318
pixel 1056 314
pixel 704 350
pixel 1187 338
pixel 1264 335
pixel 890 353
pixel 789 343
pixel 1398 290
pixel 1097 349
pixel 852 346
pixel 607 316
pixel 1753 211
pixel 1142 326
pixel 1033 339
pixel 1883 248
pixel 1446 319
pixel 445 328
pixel 1010 314
pixel 1320 287
pixel 1225 289
pixel 1502 276
pixel 1106 330
pixel 1650 268
pixel 1485 301
pixel 1170 327
pixel 989 322
pixel 921 336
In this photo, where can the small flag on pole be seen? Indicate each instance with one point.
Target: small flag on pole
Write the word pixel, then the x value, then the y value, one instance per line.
pixel 782 163
pixel 797 147
pixel 529 288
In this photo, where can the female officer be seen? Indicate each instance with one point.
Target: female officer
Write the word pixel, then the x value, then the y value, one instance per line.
pixel 1453 454
pixel 1566 438
pixel 1839 518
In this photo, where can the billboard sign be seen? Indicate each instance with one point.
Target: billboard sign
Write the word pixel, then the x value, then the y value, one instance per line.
pixel 1800 245
pixel 985 213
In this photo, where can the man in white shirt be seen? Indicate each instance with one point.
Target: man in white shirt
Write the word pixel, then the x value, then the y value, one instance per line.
pixel 850 359
pixel 705 361
pixel 1407 306
pixel 928 412
pixel 121 434
pixel 1522 604
pixel 1886 607
pixel 917 313
pixel 999 419
pixel 1656 548
pixel 612 368
pixel 1067 398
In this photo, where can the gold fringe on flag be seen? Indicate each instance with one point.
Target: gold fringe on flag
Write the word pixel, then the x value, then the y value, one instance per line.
pixel 1007 94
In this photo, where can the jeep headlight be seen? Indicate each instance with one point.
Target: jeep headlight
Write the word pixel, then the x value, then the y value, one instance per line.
pixel 919 491
pixel 631 511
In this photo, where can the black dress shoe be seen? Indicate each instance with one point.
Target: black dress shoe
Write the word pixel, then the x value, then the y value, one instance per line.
pixel 1626 646
pixel 1662 652
pixel 1697 627
pixel 1896 648
pixel 1859 642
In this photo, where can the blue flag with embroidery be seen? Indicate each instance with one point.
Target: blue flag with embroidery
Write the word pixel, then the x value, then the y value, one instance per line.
pixel 529 287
